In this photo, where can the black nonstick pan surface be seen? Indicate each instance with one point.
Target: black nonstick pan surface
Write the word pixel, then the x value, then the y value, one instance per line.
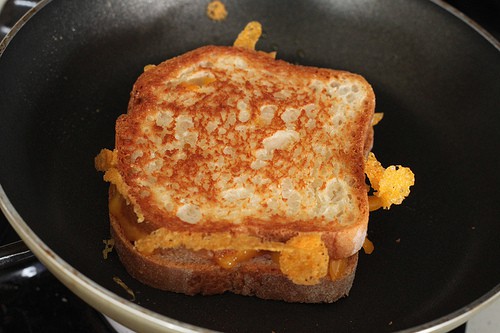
pixel 65 75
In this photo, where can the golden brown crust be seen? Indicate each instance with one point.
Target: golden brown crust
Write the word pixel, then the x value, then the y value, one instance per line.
pixel 191 273
pixel 166 93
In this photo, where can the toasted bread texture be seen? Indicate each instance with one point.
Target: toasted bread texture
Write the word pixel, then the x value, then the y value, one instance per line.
pixel 185 271
pixel 223 139
pixel 225 148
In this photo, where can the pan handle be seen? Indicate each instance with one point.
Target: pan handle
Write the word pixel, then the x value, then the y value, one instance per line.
pixel 14 253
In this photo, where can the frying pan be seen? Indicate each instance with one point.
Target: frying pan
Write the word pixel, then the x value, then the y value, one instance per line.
pixel 66 76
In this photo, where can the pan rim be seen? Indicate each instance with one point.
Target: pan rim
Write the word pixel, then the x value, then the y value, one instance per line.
pixel 139 317
pixel 470 22
pixel 19 24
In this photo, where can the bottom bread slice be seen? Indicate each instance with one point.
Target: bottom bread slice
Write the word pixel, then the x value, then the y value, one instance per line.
pixel 189 272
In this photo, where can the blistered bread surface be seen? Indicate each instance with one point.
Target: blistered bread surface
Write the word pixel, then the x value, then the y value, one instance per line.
pixel 226 136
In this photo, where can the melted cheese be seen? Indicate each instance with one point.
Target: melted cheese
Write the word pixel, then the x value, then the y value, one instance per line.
pixel 391 184
pixel 106 161
pixel 303 259
pixel 249 36
pixel 216 10
pixel 117 208
pixel 337 269
pixel 230 258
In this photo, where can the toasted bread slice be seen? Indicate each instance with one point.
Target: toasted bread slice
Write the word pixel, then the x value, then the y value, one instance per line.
pixel 228 148
pixel 225 139
pixel 195 272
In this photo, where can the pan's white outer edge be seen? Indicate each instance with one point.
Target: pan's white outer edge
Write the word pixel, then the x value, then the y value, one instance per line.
pixel 125 312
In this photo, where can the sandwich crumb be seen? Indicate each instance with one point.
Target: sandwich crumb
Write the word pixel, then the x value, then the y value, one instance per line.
pixel 216 11
pixel 124 286
pixel 108 247
pixel 149 67
pixel 368 246
pixel 105 160
pixel 377 117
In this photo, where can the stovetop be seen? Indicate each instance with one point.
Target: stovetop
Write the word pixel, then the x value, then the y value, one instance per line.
pixel 33 300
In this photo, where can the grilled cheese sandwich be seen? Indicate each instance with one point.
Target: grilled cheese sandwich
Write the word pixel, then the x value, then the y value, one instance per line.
pixel 233 166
